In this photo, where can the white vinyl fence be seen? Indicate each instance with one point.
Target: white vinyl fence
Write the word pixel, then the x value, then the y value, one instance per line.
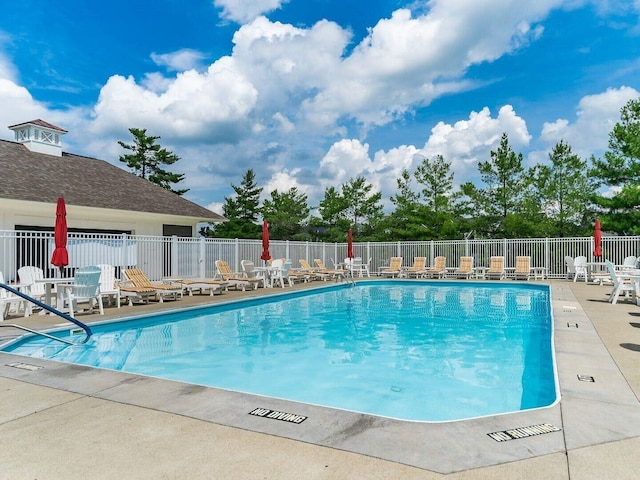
pixel 176 257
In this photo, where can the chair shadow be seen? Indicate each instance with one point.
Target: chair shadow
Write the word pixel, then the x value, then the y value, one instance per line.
pixel 631 346
pixel 634 324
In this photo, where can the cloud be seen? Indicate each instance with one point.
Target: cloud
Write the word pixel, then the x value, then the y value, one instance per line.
pixel 406 61
pixel 596 116
pixel 243 11
pixel 214 104
pixel 181 60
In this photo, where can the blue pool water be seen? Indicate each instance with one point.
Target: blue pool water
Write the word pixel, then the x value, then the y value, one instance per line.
pixel 409 350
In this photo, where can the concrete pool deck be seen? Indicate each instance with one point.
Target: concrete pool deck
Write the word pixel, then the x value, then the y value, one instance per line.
pixel 66 421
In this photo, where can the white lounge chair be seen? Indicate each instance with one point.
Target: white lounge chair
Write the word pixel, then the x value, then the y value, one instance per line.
pixel 620 284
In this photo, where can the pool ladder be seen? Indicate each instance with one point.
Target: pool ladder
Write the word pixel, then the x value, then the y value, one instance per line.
pixel 50 309
pixel 348 277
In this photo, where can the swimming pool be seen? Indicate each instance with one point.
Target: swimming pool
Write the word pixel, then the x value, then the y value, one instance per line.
pixel 428 351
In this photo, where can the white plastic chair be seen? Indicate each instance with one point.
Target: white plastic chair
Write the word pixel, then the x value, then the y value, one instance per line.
pixel 8 300
pixel 85 288
pixel 28 276
pixel 571 267
pixel 280 273
pixel 580 264
pixel 108 283
pixel 619 284
pixel 629 263
pixel 249 270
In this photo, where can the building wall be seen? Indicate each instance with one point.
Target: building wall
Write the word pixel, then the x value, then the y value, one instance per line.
pixel 34 214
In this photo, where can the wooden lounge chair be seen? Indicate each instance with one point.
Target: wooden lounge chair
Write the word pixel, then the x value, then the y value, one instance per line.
pixel 438 269
pixel 496 269
pixel 394 269
pixel 314 273
pixel 136 278
pixel 465 269
pixel 336 273
pixel 523 268
pixel 418 269
pixel 235 280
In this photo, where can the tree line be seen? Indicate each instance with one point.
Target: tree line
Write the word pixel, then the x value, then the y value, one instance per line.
pixel 560 198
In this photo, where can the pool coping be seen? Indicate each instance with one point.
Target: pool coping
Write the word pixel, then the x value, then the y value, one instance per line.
pixel 589 413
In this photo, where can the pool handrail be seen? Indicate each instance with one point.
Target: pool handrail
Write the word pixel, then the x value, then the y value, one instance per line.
pixel 50 309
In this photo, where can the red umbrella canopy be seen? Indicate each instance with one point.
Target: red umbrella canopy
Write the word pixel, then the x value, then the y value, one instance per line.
pixel 265 242
pixel 350 244
pixel 597 240
pixel 60 257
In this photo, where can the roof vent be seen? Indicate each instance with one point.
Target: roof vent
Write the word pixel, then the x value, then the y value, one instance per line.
pixel 40 137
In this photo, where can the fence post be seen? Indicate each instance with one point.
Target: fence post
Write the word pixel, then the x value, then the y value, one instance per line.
pixel 236 255
pixel 174 255
pixel 123 253
pixel 547 255
pixel 201 254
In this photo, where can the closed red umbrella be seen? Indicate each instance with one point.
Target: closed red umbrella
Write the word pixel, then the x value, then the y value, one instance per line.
pixel 597 240
pixel 60 257
pixel 265 242
pixel 350 244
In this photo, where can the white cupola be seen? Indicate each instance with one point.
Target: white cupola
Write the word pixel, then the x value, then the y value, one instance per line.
pixel 40 136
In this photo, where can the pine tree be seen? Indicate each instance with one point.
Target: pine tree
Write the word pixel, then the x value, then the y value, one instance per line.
pixel 147 159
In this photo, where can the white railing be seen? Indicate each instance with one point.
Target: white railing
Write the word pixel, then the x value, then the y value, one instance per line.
pixel 163 257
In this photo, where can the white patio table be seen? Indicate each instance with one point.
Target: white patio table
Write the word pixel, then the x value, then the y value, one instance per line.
pixel 49 283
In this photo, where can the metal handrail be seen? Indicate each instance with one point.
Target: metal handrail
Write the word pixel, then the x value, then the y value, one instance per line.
pixel 27 329
pixel 48 308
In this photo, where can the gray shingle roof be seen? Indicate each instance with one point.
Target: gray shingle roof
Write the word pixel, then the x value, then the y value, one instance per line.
pixel 85 181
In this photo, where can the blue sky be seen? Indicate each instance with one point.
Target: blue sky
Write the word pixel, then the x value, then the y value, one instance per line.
pixel 312 93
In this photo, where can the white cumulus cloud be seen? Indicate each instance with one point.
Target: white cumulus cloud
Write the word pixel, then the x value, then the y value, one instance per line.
pixel 243 11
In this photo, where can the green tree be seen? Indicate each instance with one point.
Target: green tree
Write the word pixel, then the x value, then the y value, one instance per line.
pixel 406 222
pixel 565 192
pixel 354 207
pixel 439 198
pixel 364 208
pixel 620 170
pixel 147 159
pixel 241 211
pixel 503 208
pixel 286 213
